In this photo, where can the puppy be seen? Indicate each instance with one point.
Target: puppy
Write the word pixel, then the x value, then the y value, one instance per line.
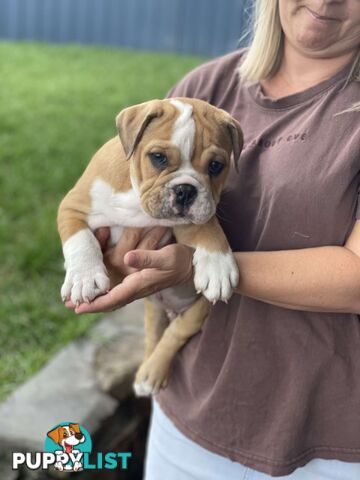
pixel 167 167
pixel 67 437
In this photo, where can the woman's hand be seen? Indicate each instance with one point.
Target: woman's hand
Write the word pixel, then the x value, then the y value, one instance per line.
pixel 131 239
pixel 151 271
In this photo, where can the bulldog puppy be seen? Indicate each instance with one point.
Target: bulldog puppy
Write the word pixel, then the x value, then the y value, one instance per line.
pixel 167 167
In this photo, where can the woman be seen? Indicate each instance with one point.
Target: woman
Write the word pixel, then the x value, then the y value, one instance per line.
pixel 271 386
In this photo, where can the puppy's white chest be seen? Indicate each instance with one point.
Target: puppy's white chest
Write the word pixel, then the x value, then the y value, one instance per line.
pixel 110 208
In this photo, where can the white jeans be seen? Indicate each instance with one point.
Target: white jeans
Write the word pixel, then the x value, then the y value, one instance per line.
pixel 172 456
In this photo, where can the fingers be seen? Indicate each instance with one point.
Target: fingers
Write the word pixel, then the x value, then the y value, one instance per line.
pixel 132 238
pixel 173 258
pixel 155 237
pixel 135 286
pixel 128 241
pixel 119 296
pixel 114 258
pixel 141 259
pixel 158 269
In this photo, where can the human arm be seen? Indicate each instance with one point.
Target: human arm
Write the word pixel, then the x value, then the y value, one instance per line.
pixel 322 279
pixel 131 239
pixel 152 271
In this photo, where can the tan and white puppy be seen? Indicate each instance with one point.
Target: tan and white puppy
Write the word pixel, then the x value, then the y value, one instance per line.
pixel 68 437
pixel 167 168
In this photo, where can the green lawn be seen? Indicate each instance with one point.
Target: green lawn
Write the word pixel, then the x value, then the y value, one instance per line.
pixel 57 106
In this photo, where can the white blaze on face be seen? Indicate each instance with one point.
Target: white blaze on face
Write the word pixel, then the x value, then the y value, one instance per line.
pixel 183 135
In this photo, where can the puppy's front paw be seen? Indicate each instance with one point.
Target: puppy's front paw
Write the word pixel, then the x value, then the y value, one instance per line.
pixel 84 285
pixel 216 274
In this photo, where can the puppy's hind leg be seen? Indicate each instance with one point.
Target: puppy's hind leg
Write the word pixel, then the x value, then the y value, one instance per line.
pixel 154 372
pixel 156 322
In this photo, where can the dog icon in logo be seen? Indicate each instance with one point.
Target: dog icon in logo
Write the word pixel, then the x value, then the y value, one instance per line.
pixel 68 437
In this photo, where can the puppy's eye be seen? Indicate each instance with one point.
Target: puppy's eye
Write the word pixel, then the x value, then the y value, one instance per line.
pixel 65 434
pixel 215 168
pixel 159 160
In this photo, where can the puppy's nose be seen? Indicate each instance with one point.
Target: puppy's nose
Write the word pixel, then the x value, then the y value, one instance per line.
pixel 185 194
pixel 79 436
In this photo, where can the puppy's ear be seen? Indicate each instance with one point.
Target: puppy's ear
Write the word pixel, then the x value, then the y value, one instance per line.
pixel 75 427
pixel 54 434
pixel 237 138
pixel 133 121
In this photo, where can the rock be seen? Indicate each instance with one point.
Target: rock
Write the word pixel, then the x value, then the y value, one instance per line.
pixel 67 388
pixel 116 363
pixel 6 471
pixel 64 390
pixel 118 356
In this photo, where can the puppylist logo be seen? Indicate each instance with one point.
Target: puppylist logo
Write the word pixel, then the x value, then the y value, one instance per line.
pixel 67 449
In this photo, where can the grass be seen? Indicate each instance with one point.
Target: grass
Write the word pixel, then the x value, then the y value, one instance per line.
pixel 57 106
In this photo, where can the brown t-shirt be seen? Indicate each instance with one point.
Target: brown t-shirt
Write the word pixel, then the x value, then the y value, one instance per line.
pixel 266 386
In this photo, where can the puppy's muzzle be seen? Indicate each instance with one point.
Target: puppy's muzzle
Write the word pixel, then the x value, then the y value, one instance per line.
pixel 185 194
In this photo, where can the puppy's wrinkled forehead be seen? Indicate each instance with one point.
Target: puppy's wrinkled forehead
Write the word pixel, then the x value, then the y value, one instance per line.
pixel 197 126
pixel 184 129
pixel 188 124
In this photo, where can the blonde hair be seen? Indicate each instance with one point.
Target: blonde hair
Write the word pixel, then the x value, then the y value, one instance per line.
pixel 266 49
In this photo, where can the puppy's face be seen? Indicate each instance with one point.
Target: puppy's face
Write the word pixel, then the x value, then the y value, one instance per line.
pixel 67 436
pixel 180 152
